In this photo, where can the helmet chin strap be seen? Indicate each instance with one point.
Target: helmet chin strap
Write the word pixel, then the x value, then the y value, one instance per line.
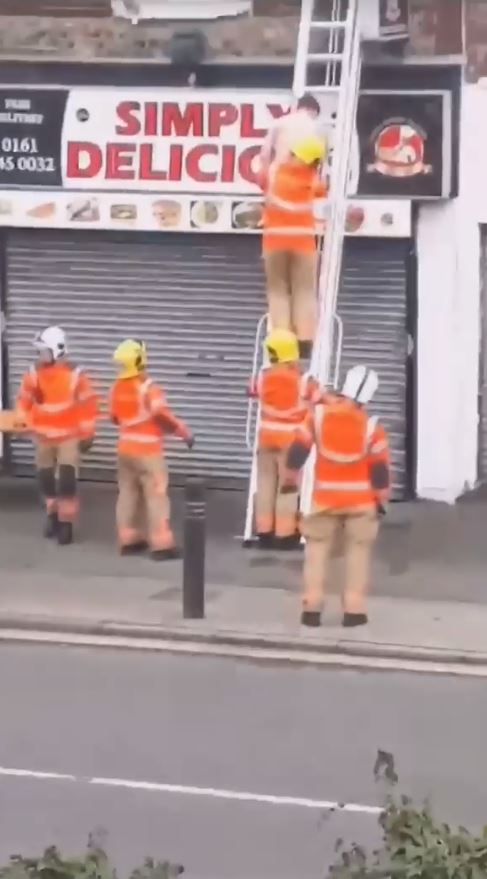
pixel 45 355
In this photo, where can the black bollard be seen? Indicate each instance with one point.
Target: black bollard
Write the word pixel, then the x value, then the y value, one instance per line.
pixel 194 550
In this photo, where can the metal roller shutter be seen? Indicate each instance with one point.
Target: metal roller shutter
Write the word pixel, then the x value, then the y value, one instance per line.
pixel 195 300
pixel 373 306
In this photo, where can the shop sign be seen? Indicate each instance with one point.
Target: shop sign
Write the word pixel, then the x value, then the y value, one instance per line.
pixel 31 125
pixel 393 19
pixel 134 140
pixel 384 19
pixel 405 141
pixel 173 212
pixel 186 158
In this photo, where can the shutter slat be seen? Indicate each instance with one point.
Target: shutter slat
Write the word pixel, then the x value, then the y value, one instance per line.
pixel 373 306
pixel 195 302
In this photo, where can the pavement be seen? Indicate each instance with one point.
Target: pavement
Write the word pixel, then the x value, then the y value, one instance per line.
pixel 231 769
pixel 428 602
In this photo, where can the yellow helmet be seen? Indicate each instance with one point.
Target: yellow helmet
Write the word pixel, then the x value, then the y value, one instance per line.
pixel 313 149
pixel 131 356
pixel 282 347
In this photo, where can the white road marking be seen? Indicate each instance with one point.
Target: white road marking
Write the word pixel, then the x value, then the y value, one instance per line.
pixel 189 790
pixel 42 776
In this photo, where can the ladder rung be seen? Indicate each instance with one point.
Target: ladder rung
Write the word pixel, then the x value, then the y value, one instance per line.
pixel 323 89
pixel 324 56
pixel 328 25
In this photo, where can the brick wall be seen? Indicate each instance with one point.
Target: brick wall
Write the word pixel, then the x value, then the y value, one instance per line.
pixel 272 33
pixel 476 39
pixel 436 27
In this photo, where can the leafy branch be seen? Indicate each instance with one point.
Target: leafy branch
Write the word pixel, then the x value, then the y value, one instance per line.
pixel 414 844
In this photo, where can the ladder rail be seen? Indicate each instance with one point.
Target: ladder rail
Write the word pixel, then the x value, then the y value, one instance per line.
pixel 340 58
pixel 255 368
pixel 332 251
pixel 302 47
pixel 249 514
pixel 331 264
pixel 339 348
pixel 252 444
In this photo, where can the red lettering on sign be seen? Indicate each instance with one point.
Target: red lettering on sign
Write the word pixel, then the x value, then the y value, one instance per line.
pixel 219 116
pixel 247 127
pixel 146 164
pixel 245 161
pixel 150 119
pixel 277 110
pixel 193 164
pixel 83 159
pixel 182 123
pixel 175 162
pixel 120 161
pixel 227 171
pixel 127 114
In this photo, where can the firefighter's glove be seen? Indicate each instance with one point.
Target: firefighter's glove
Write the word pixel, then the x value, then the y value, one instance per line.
pixel 86 444
pixel 381 510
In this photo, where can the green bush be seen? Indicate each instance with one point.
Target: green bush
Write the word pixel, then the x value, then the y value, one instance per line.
pixel 94 864
pixel 414 844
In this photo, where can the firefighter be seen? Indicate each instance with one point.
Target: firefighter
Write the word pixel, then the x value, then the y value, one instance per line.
pixel 351 486
pixel 58 403
pixel 289 240
pixel 285 397
pixel 139 408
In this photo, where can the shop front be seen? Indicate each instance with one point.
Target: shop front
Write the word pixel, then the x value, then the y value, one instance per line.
pixel 137 215
pixel 452 346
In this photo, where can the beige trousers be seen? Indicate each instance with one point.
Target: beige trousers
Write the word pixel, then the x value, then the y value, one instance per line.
pixel 58 470
pixel 291 291
pixel 56 454
pixel 274 512
pixel 143 502
pixel 320 529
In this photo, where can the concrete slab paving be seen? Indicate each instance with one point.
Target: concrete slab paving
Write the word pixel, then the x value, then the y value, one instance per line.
pixel 429 582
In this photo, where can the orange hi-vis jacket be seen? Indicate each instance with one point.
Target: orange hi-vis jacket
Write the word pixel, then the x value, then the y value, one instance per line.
pixel 285 397
pixel 139 408
pixel 288 219
pixel 58 402
pixel 348 444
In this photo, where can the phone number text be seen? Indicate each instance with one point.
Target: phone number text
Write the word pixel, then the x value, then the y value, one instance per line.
pixel 21 154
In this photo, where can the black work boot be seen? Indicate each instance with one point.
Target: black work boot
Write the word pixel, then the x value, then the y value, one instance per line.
pixel 352 620
pixel 166 555
pixel 311 619
pixel 65 533
pixel 134 548
pixel 288 544
pixel 266 541
pixel 51 526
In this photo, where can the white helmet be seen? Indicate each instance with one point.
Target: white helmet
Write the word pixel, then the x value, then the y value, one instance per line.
pixel 360 384
pixel 51 344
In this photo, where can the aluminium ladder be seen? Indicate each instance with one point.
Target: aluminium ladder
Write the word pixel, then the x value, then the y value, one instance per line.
pixel 328 43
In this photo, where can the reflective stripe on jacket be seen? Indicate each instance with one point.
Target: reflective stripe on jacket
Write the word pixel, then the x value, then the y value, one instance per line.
pixel 348 443
pixel 288 219
pixel 139 408
pixel 285 397
pixel 58 402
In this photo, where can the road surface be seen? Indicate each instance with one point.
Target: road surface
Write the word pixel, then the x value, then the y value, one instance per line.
pixel 225 767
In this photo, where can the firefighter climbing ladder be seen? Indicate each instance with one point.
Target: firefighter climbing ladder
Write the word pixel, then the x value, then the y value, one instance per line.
pixel 339 67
